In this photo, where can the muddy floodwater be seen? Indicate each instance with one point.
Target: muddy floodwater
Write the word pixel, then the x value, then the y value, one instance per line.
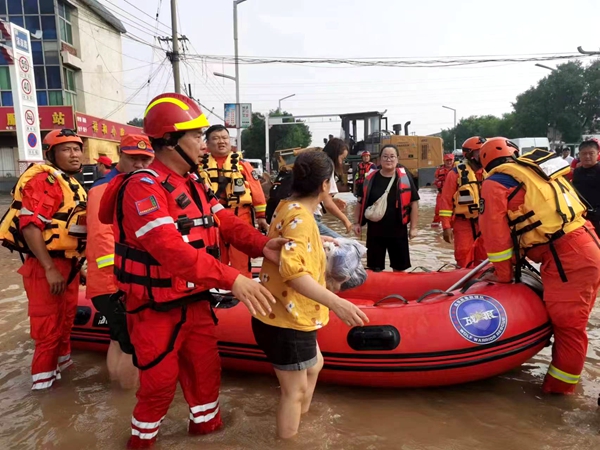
pixel 83 411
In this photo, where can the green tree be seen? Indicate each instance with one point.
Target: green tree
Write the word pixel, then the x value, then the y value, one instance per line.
pixel 486 126
pixel 567 100
pixel 280 137
pixel 137 122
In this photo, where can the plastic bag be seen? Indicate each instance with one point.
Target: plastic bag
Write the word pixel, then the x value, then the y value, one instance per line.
pixel 344 264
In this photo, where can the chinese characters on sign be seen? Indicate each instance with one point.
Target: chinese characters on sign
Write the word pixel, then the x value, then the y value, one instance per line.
pixel 235 115
pixel 95 127
pixel 58 118
pixel 246 114
pixel 25 119
pixel 49 117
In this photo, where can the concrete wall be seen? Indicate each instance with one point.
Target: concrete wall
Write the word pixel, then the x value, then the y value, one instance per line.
pixel 100 80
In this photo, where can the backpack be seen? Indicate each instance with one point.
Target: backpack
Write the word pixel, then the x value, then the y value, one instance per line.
pixel 282 188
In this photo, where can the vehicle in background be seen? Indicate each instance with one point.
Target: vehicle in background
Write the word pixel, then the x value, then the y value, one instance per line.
pixel 285 158
pixel 257 164
pixel 527 144
pixel 421 155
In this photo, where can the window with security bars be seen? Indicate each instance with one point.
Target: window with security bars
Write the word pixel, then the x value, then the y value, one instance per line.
pixel 424 151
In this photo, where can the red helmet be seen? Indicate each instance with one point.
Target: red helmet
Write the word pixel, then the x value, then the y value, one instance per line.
pixel 498 147
pixel 169 113
pixel 448 157
pixel 472 144
pixel 56 137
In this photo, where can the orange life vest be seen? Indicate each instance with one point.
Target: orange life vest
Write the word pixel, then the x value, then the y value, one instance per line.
pixel 363 170
pixel 440 174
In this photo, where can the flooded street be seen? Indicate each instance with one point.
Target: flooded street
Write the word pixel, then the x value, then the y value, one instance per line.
pixel 83 411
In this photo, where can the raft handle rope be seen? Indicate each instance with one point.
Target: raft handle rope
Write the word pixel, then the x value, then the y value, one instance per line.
pixel 424 269
pixel 454 266
pixel 434 292
pixel 391 297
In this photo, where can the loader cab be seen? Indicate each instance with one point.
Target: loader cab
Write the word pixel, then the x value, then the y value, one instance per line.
pixel 364 131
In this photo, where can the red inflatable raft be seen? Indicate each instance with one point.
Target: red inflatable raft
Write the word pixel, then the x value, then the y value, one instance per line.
pixel 418 334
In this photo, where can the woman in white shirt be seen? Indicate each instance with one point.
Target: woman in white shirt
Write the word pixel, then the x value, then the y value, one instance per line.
pixel 337 150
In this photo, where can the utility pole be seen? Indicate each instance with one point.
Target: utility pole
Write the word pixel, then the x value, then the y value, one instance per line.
pixel 452 109
pixel 175 54
pixel 238 119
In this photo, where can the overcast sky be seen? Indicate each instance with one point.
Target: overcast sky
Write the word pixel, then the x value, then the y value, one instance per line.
pixel 354 29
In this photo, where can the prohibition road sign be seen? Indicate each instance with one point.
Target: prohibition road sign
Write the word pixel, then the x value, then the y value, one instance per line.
pixel 24 64
pixel 29 117
pixel 32 140
pixel 26 85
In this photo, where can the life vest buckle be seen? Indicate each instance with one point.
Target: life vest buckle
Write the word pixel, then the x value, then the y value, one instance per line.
pixel 184 224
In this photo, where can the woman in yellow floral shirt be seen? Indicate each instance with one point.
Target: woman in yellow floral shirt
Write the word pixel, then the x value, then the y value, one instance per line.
pixel 288 335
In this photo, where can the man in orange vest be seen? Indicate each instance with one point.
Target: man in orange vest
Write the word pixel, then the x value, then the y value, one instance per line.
pixel 517 221
pixel 459 205
pixel 237 185
pixel 135 153
pixel 439 179
pixel 46 222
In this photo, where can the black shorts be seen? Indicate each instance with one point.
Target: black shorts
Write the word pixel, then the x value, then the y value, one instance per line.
pixel 117 321
pixel 286 349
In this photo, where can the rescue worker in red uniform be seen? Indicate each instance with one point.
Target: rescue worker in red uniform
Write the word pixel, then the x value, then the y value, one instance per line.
pixel 362 170
pixel 135 153
pixel 530 210
pixel 237 185
pixel 438 181
pixel 167 223
pixel 459 205
pixel 46 221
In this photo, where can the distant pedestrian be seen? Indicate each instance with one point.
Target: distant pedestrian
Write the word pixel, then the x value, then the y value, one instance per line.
pixel 566 155
pixel 103 166
pixel 586 179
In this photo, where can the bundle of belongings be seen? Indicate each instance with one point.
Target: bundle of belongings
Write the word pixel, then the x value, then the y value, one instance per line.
pixel 344 264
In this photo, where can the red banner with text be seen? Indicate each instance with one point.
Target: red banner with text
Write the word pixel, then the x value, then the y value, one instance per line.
pixel 97 128
pixel 51 118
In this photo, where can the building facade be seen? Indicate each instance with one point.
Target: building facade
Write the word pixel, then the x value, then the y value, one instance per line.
pixel 78 66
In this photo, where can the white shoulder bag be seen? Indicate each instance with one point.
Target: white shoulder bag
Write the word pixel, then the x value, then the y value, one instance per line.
pixel 377 210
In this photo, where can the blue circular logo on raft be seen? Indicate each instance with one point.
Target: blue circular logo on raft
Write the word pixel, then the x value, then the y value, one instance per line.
pixel 478 318
pixel 32 140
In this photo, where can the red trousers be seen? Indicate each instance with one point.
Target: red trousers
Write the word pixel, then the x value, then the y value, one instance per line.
pixel 51 318
pixel 436 216
pixel 231 255
pixel 569 304
pixel 194 362
pixel 468 247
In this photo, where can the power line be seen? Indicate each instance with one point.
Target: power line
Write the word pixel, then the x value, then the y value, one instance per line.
pixel 127 35
pixel 134 23
pixel 209 78
pixel 132 96
pixel 168 28
pixel 384 62
pixel 145 13
pixel 114 49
